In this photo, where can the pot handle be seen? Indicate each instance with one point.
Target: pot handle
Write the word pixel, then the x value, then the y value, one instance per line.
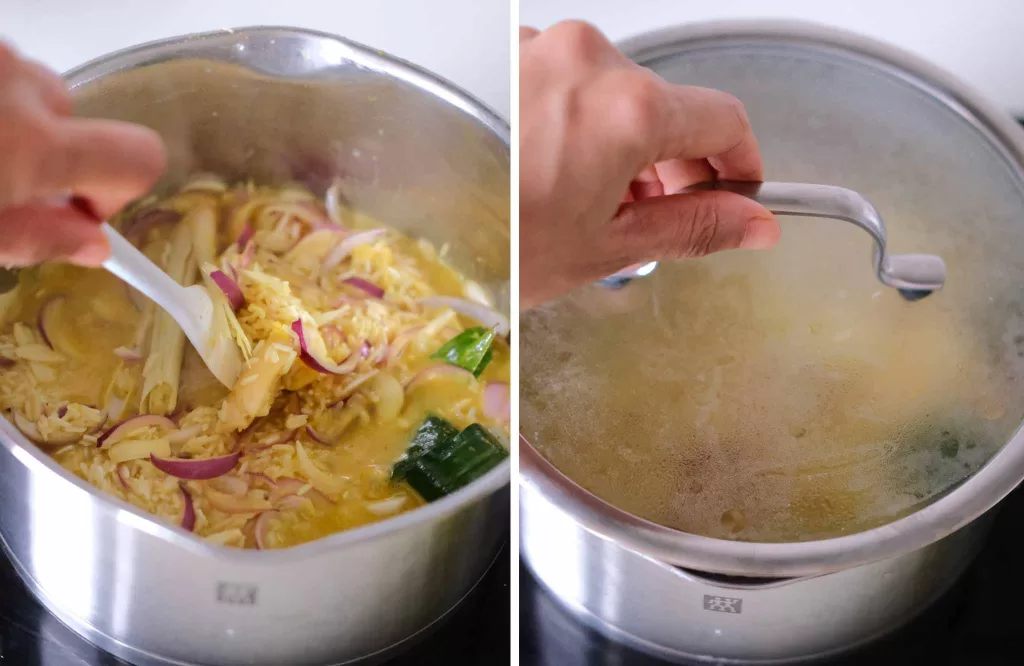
pixel 732 582
pixel 914 275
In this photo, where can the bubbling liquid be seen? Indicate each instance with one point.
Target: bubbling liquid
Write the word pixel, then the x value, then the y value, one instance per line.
pixel 769 397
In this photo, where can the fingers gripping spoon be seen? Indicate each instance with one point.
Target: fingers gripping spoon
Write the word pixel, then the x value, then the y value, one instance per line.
pixel 913 275
pixel 191 307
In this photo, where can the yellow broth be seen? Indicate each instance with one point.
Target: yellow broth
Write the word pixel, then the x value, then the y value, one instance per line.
pixel 70 387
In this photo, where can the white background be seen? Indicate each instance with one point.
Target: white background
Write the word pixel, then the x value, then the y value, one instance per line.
pixel 981 41
pixel 464 41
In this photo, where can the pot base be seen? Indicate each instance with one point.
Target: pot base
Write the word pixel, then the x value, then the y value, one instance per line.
pixel 144 658
pixel 669 613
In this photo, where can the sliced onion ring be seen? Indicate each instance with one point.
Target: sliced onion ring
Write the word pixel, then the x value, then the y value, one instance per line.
pixel 196 470
pixel 230 288
pixel 45 321
pixel 120 430
pixel 345 247
pixel 318 361
pixel 487 316
pixel 293 503
pixel 288 486
pixel 188 516
pixel 123 475
pixel 435 371
pixel 497 403
pixel 247 256
pixel 27 427
pixel 370 288
pixel 261 527
pixel 244 237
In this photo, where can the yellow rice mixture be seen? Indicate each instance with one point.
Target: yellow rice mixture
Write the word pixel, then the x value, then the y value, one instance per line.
pixel 80 352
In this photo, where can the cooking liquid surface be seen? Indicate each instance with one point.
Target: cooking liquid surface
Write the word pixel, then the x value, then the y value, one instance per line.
pixel 781 396
pixel 95 315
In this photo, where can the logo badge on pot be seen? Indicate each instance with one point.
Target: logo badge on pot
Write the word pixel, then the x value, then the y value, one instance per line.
pixel 723 604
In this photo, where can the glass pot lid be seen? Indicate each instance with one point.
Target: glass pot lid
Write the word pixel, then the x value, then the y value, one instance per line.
pixel 787 395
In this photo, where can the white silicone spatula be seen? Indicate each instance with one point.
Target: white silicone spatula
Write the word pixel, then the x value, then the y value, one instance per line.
pixel 191 306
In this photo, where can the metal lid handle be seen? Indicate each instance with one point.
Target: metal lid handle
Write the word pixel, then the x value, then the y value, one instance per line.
pixel 915 275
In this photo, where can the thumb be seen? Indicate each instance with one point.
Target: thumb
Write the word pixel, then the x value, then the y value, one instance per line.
pixel 34 233
pixel 693 224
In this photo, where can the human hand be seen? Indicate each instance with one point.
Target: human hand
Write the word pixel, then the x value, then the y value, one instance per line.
pixel 604 146
pixel 47 155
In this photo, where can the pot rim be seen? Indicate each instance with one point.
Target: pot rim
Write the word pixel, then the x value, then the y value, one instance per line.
pixel 38 462
pixel 973 497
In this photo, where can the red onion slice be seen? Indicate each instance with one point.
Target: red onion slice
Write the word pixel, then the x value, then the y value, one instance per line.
pixel 370 288
pixel 497 404
pixel 261 528
pixel 365 349
pixel 243 238
pixel 247 256
pixel 487 316
pixel 436 371
pixel 45 321
pixel 62 411
pixel 119 431
pixel 345 247
pixel 316 436
pixel 123 475
pixel 99 426
pixel 230 288
pixel 196 470
pixel 188 516
pixel 288 486
pixel 293 503
pixel 317 360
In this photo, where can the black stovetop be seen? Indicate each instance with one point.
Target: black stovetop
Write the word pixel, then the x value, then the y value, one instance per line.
pixel 978 623
pixel 476 635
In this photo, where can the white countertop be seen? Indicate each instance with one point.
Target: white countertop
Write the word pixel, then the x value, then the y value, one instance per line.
pixel 981 41
pixel 464 41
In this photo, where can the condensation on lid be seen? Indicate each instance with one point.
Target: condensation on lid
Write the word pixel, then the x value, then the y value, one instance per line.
pixel 786 395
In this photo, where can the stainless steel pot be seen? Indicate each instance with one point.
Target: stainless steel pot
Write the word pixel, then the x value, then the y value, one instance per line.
pixel 277 105
pixel 684 596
